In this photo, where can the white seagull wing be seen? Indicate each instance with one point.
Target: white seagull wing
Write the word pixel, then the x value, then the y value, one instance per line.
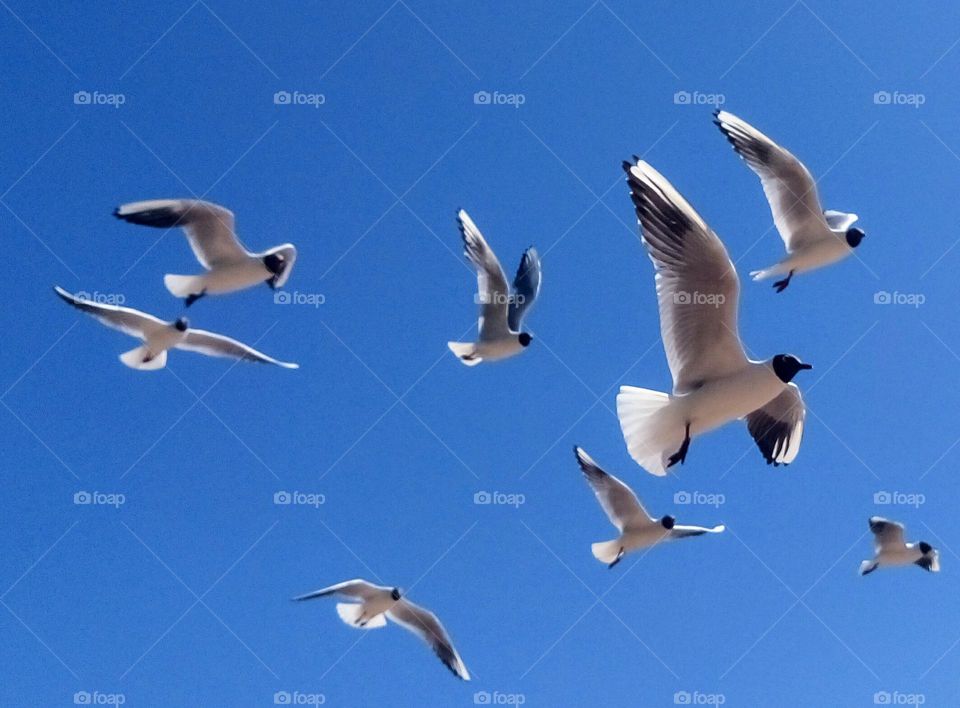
pixel 526 287
pixel 777 427
pixel 621 504
pixel 686 531
pixel 358 589
pixel 839 221
pixel 209 227
pixel 425 624
pixel 125 319
pixel 492 289
pixel 211 344
pixel 787 183
pixel 697 285
pixel 887 535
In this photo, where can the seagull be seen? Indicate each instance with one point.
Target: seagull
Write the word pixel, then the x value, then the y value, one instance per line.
pixel 891 550
pixel 373 604
pixel 159 336
pixel 501 312
pixel 637 528
pixel 713 380
pixel 813 237
pixel 209 229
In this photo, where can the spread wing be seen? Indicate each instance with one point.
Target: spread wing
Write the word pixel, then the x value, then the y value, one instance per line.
pixel 425 624
pixel 357 589
pixel 685 531
pixel 789 186
pixel 199 340
pixel 526 287
pixel 777 427
pixel 697 285
pixel 209 227
pixel 492 290
pixel 125 319
pixel 839 221
pixel 617 499
pixel 887 535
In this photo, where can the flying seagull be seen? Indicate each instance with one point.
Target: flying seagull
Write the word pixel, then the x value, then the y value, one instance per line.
pixel 891 550
pixel 637 528
pixel 813 237
pixel 713 380
pixel 159 336
pixel 501 312
pixel 209 229
pixel 373 604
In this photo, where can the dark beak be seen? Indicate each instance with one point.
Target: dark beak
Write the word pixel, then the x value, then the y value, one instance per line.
pixel 806 367
pixel 272 282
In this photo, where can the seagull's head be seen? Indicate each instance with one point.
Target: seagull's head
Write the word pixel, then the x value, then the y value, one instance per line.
pixel 181 324
pixel 786 366
pixel 276 264
pixel 395 594
pixel 925 547
pixel 855 236
pixel 524 338
pixel 668 522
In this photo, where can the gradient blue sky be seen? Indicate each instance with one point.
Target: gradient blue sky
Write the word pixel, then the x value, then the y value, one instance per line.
pixel 181 595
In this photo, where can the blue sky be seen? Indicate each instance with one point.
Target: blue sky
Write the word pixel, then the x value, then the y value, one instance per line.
pixel 180 595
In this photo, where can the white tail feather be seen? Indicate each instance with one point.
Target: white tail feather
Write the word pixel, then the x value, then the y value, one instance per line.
pixel 466 352
pixel 135 359
pixel 652 434
pixel 184 285
pixel 351 612
pixel 606 551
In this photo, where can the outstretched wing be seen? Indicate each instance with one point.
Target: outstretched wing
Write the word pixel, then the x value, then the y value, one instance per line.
pixel 357 589
pixel 887 535
pixel 777 427
pixel 125 319
pixel 526 287
pixel 425 624
pixel 678 532
pixel 617 499
pixel 492 290
pixel 211 344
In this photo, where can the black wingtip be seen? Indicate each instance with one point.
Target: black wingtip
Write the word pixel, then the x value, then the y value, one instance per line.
pixel 626 166
pixel 116 213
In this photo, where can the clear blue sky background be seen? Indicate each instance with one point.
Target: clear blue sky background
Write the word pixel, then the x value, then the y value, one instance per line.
pixel 181 596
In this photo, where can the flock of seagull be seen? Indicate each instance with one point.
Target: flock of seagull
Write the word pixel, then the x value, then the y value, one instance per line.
pixel 714 382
